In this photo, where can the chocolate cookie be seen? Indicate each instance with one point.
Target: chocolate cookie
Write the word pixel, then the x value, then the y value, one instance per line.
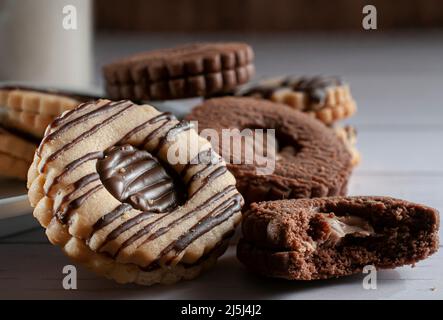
pixel 108 187
pixel 30 110
pixel 310 159
pixel 185 71
pixel 323 238
pixel 327 98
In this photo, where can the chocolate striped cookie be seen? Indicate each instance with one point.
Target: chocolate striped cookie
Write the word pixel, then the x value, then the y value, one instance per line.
pixel 132 193
pixel 323 238
pixel 326 98
pixel 185 71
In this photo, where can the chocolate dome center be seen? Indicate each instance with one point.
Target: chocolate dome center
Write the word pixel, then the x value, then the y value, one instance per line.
pixel 136 177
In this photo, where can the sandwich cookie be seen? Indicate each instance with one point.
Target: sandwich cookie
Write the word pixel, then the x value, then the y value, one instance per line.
pixel 326 98
pixel 182 72
pixel 108 187
pixel 322 238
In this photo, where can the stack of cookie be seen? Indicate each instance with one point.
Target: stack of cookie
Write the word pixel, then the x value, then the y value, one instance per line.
pixel 139 196
pixel 224 69
pixel 24 115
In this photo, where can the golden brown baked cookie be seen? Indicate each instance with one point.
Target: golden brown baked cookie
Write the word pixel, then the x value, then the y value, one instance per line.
pixel 31 110
pixel 349 136
pixel 106 185
pixel 326 98
pixel 16 153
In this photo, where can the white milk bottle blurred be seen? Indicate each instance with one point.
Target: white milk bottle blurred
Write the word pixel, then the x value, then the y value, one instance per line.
pixel 46 42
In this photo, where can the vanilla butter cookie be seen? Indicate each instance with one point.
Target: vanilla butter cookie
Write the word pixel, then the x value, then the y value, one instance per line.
pixel 133 193
pixel 16 154
pixel 31 110
pixel 348 134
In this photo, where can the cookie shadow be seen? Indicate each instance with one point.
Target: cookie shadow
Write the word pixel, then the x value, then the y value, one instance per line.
pixel 229 279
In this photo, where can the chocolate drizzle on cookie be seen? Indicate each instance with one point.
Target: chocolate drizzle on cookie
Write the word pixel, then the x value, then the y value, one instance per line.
pixel 180 127
pixel 161 117
pixel 64 213
pixel 121 106
pixel 219 214
pixel 150 192
pixel 314 87
pixel 111 216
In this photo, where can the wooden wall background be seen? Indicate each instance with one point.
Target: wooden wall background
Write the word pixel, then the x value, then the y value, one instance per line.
pixel 261 15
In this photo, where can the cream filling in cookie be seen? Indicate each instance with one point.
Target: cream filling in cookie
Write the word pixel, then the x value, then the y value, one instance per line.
pixel 336 228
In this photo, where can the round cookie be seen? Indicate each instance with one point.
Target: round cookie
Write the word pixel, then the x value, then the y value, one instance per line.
pixel 326 98
pixel 31 110
pixel 16 154
pixel 311 161
pixel 181 72
pixel 110 188
pixel 322 238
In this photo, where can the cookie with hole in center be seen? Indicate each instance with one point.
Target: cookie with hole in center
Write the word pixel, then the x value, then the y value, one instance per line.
pixel 133 193
pixel 292 154
pixel 185 71
pixel 322 238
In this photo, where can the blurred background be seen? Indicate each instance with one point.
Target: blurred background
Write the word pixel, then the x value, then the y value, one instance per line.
pixel 297 36
pixel 262 15
pixel 395 71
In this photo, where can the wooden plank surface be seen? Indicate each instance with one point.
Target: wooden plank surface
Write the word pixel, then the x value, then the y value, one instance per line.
pixel 397 83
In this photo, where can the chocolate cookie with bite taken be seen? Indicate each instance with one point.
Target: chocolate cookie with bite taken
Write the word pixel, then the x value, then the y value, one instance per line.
pixel 309 239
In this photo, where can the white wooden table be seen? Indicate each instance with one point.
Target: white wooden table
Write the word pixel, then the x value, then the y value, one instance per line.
pixel 397 81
